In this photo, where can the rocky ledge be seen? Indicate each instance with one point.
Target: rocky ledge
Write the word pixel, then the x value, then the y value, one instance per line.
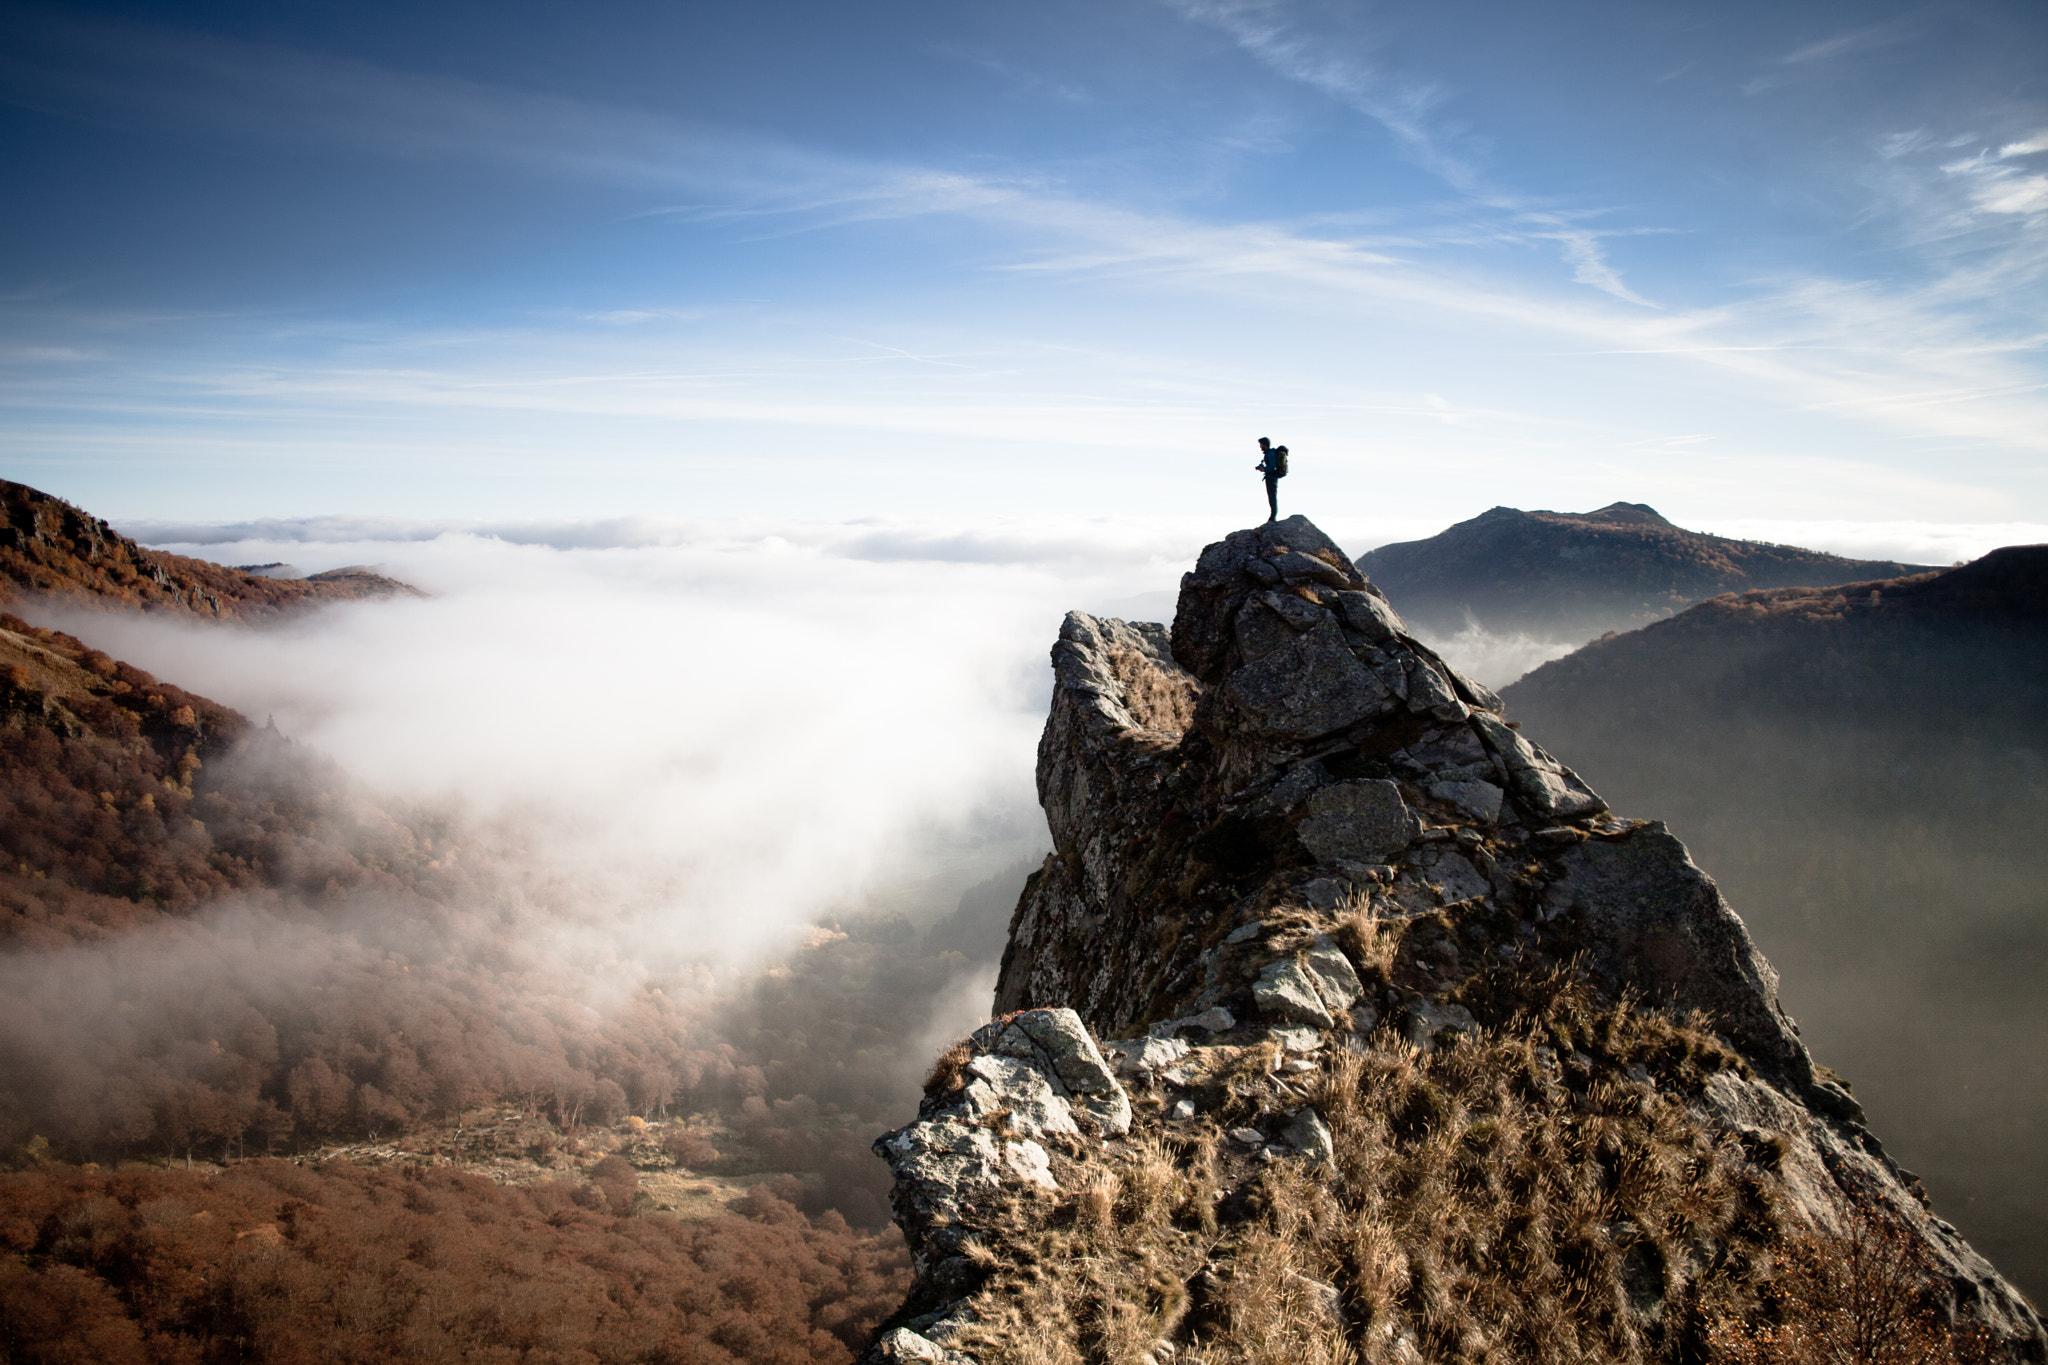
pixel 1321 927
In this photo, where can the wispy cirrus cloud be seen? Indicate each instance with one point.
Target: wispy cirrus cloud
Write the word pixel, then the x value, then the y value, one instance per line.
pixel 1408 107
pixel 1790 67
pixel 141 76
pixel 1401 104
pixel 1851 40
pixel 1996 185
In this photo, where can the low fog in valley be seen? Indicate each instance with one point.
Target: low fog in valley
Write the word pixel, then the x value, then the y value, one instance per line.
pixel 725 824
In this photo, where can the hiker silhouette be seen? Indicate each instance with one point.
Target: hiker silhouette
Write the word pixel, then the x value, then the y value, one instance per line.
pixel 1273 464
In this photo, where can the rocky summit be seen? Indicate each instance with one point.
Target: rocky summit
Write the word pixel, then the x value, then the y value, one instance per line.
pixel 1346 1023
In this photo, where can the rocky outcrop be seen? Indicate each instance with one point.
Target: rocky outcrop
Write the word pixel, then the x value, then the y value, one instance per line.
pixel 1022 1082
pixel 1286 834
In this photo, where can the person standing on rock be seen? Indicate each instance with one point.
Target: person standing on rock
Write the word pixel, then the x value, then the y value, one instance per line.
pixel 1273 464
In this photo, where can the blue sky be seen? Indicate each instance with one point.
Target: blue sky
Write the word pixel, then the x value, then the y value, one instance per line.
pixel 963 261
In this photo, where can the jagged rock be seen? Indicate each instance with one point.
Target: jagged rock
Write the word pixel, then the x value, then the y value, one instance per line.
pixel 950 1161
pixel 1224 576
pixel 1296 1039
pixel 1551 789
pixel 1314 987
pixel 1453 875
pixel 1430 692
pixel 1226 797
pixel 1335 979
pixel 1029 1075
pixel 1480 800
pixel 1054 1044
pixel 1019 1089
pixel 1652 919
pixel 1215 1019
pixel 1370 615
pixel 1139 1057
pixel 1312 686
pixel 1031 1070
pixel 1285 990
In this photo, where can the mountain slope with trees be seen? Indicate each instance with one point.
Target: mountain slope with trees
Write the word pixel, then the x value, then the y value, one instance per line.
pixel 216 946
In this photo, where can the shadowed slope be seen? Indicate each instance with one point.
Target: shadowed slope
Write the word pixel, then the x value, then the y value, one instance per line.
pixel 1865 769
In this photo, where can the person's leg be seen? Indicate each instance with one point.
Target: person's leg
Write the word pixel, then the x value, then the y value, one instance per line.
pixel 1273 498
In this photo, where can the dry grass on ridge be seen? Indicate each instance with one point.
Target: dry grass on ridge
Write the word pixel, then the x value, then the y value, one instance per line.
pixel 1488 1201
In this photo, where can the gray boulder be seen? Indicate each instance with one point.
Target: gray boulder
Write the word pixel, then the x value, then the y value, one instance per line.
pixel 1310 1136
pixel 1314 987
pixel 1364 821
pixel 1550 789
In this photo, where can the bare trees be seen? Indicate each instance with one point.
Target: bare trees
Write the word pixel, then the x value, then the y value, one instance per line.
pixel 271 1261
pixel 1862 1298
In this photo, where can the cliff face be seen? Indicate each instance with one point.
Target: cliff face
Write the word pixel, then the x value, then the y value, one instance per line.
pixel 1577 574
pixel 50 548
pixel 1344 1021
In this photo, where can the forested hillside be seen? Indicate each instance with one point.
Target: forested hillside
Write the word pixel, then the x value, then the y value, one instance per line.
pixel 274 1262
pixel 270 958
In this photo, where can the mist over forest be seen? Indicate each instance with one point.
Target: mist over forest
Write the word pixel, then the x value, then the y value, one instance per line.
pixel 729 827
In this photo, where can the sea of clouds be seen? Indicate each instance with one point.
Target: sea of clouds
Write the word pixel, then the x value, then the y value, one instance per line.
pixel 731 729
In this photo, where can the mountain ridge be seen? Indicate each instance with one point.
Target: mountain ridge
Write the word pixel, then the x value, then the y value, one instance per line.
pixel 54 551
pixel 1580 574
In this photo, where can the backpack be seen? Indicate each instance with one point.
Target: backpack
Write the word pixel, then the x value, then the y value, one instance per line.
pixel 1279 462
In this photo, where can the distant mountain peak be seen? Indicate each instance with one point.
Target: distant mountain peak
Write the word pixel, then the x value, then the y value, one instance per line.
pixel 1631 513
pixel 1576 575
